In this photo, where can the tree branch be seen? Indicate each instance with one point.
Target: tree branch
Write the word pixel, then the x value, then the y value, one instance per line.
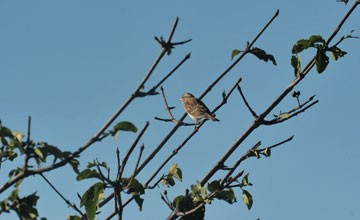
pixel 246 103
pixel 94 138
pixel 132 147
pixel 168 109
pixel 257 122
pixel 174 152
pixel 66 200
pixel 153 90
pixel 294 112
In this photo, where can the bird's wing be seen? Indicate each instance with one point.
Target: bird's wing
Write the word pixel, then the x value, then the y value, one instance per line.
pixel 202 107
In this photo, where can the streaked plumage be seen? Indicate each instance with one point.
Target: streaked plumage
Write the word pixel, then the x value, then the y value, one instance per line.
pixel 195 108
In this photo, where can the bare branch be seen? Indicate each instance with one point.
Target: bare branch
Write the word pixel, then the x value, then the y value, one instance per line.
pixel 260 120
pixel 132 147
pixel 66 200
pixel 166 202
pixel 94 138
pixel 241 56
pixel 248 154
pixel 247 104
pixel 27 156
pixel 139 158
pixel 168 109
pixel 169 74
pixel 343 21
pixel 224 100
pixel 280 143
pixel 280 120
pixel 155 184
pixel 177 125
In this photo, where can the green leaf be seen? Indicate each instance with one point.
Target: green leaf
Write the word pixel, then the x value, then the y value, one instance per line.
pixel 73 217
pixel 336 53
pixel 122 126
pixel 247 198
pixel 227 195
pixel 14 172
pixel 5 132
pixel 214 185
pixel 47 150
pixel 4 141
pixel 198 192
pixel 88 173
pixel 245 180
pixel 39 153
pixel 90 199
pixel 177 201
pixel 97 163
pixel 235 52
pixel 9 154
pixel 295 62
pixel 303 44
pixel 255 153
pixel 267 152
pixel 139 201
pixel 283 115
pixel 262 55
pixel 74 163
pixel 18 136
pixel 321 60
pixel 168 180
pixel 15 143
pixel 14 195
pixel 176 172
pixel 24 207
pixel 135 187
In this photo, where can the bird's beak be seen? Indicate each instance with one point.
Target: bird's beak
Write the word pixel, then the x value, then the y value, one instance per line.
pixel 180 99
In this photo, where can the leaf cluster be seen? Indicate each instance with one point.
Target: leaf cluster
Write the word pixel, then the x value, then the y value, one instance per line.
pixel 322 60
pixel 24 207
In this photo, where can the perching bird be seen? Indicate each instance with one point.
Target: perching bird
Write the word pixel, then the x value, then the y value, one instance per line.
pixel 196 109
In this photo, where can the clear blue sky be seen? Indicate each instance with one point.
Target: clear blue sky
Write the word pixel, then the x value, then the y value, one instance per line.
pixel 71 64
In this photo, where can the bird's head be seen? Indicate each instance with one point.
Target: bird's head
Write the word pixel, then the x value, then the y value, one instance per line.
pixel 186 97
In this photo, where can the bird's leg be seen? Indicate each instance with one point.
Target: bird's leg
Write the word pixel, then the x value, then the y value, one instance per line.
pixel 196 124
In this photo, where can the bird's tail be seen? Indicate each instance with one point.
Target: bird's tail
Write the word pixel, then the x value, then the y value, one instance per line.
pixel 212 118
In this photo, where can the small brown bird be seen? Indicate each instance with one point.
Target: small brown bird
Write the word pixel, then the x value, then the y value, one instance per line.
pixel 196 109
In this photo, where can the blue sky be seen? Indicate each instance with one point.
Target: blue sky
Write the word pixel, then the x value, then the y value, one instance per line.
pixel 71 64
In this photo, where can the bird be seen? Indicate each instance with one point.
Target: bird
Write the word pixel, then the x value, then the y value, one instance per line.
pixel 196 109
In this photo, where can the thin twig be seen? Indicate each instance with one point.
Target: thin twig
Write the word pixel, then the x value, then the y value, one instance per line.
pixel 166 105
pixel 224 100
pixel 177 125
pixel 118 163
pixel 166 202
pixel 248 154
pixel 136 166
pixel 66 200
pixel 246 103
pixel 169 74
pixel 257 122
pixel 168 109
pixel 27 156
pixel 241 56
pixel 280 120
pixel 280 143
pixel 176 213
pixel 94 138
pixel 132 147
pixel 155 184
